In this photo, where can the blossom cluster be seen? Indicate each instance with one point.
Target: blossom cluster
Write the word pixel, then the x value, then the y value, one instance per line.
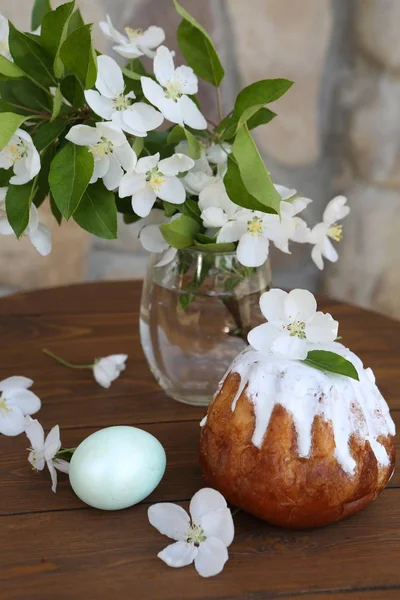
pixel 120 118
pixel 18 403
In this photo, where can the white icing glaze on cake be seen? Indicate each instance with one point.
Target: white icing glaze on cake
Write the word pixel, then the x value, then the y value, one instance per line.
pixel 353 407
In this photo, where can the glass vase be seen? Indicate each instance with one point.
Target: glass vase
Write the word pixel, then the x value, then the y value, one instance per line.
pixel 195 314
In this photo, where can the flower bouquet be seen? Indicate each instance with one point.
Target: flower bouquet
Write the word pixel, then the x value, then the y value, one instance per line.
pixel 95 139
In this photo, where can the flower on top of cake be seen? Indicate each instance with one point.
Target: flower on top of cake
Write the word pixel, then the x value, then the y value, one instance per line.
pixel 298 432
pixel 294 326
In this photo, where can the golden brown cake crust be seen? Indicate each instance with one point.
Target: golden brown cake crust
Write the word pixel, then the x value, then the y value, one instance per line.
pixel 273 482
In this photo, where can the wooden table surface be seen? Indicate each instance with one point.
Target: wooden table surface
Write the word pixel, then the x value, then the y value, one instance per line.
pixel 52 546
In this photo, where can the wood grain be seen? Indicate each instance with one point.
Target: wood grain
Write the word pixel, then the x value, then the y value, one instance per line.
pixel 54 546
pixel 97 554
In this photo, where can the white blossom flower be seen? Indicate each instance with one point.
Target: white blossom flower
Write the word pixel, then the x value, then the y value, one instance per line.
pixel 153 240
pixel 20 154
pixel 218 153
pixel 135 42
pixel 202 537
pixel 108 369
pixel 200 175
pixel 38 233
pixel 335 211
pixel 110 148
pixel 43 451
pixel 294 327
pixel 16 401
pixel 216 206
pixel 249 228
pixel 171 94
pixel 287 226
pixel 153 178
pixel 112 104
pixel 4 32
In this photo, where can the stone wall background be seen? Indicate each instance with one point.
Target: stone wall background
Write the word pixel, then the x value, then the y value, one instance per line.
pixel 338 132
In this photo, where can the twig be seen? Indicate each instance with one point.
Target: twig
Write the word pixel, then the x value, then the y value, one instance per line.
pixel 65 362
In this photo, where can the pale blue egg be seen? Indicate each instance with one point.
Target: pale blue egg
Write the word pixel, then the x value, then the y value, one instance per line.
pixel 117 467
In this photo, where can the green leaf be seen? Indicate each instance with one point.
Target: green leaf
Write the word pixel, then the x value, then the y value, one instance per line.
pixel 180 232
pixel 236 189
pixel 138 146
pixel 5 176
pixel 190 208
pixel 170 209
pixel 156 141
pixel 54 32
pixel 331 362
pixel 57 103
pixel 54 210
pixel 131 74
pixel 198 48
pixel 97 212
pixel 70 173
pixel 178 134
pixel 9 69
pixel 18 202
pixel 76 21
pixel 40 8
pixel 256 95
pixel 261 117
pixel 72 90
pixel 215 247
pixel 48 132
pixel 9 123
pixel 42 180
pixel 25 93
pixel 78 55
pixel 31 57
pixel 252 169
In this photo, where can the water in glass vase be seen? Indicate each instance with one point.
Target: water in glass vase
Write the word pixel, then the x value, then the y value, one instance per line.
pixel 194 319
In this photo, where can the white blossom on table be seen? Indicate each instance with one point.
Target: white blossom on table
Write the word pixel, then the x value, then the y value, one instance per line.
pixel 111 151
pixel 43 451
pixel 109 368
pixel 4 33
pixel 153 240
pixel 112 104
pixel 135 42
pixel 38 233
pixel 170 93
pixel 294 326
pixel 16 401
pixel 322 233
pixel 202 538
pixel 21 155
pixel 153 178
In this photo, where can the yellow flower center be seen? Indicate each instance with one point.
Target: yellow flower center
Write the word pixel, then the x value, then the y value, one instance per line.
pixel 336 232
pixel 255 227
pixel 36 456
pixel 4 409
pixel 195 535
pixel 133 34
pixel 173 90
pixel 15 151
pixel 156 180
pixel 121 102
pixel 297 329
pixel 101 149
